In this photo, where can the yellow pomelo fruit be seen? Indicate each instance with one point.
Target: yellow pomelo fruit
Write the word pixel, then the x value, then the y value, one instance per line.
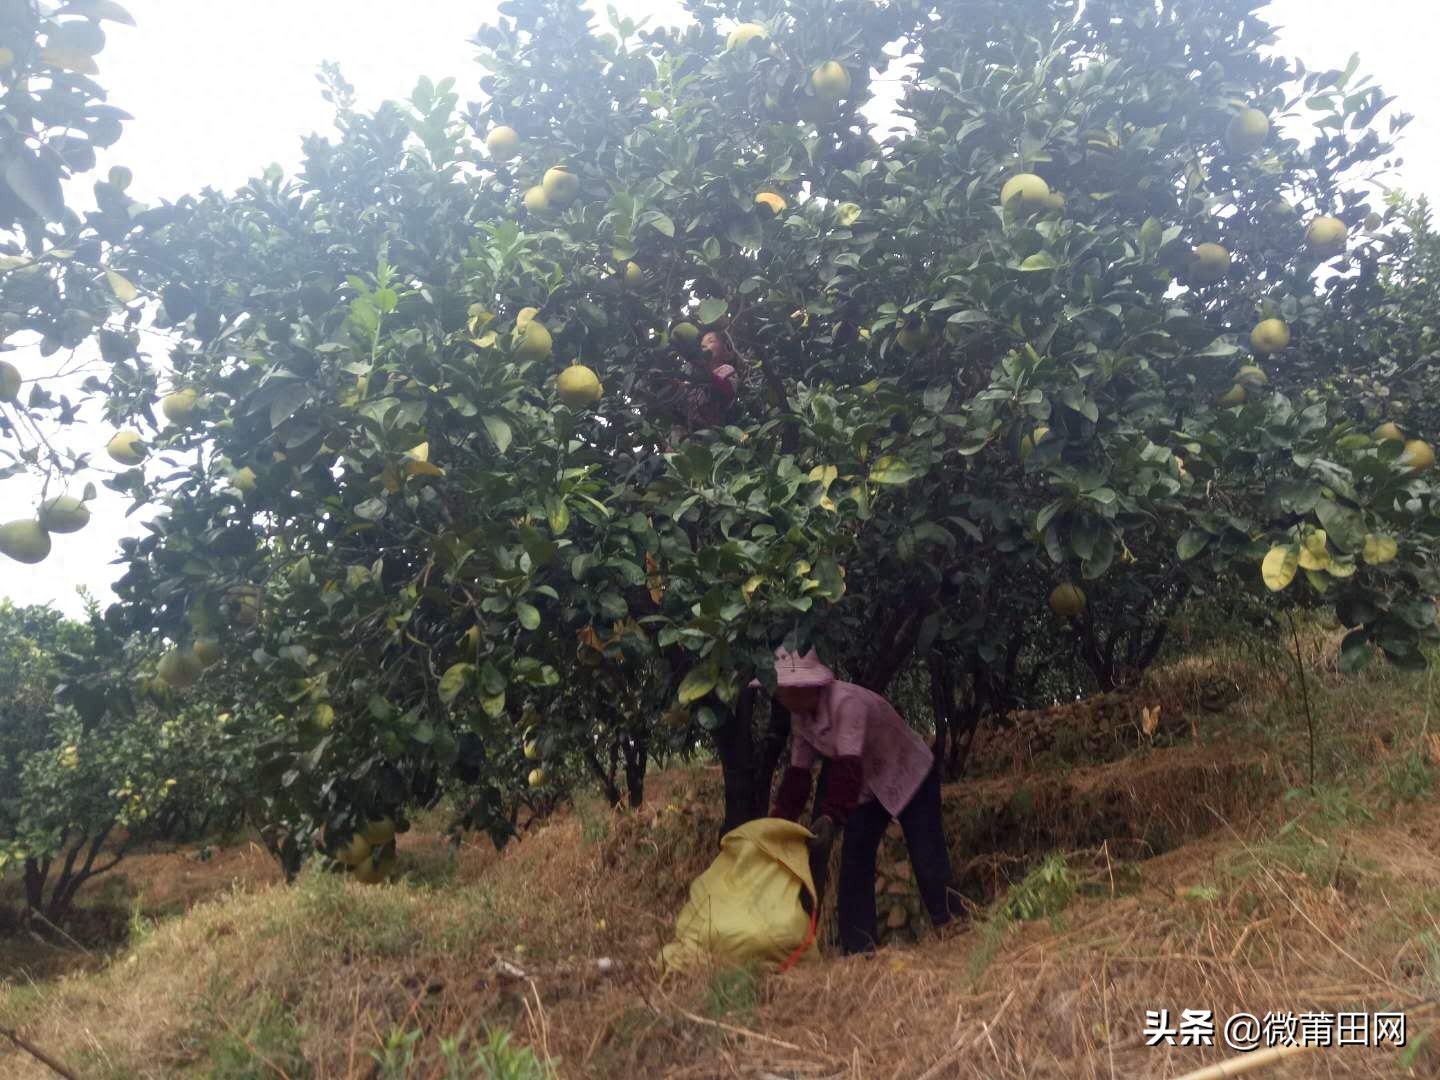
pixel 579 387
pixel 355 852
pixel 771 201
pixel 1250 375
pixel 1379 549
pixel 502 142
pixel 1247 131
pixel 207 651
pixel 534 341
pixel 830 81
pixel 324 716
pixel 379 833
pixel 1326 236
pixel 536 201
pixel 64 514
pixel 243 480
pixel 127 448
pixel 24 541
pixel 537 778
pixel 179 668
pixel 1269 336
pixel 1419 455
pixel 1388 432
pixel 634 276
pixel 9 381
pixel 913 338
pixel 1054 201
pixel 560 185
pixel 1026 190
pixel 523 317
pixel 532 750
pixel 1209 263
pixel 179 406
pixel 744 34
pixel 685 333
pixel 1067 600
pixel 1234 396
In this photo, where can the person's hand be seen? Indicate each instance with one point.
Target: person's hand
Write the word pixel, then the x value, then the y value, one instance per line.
pixel 824 829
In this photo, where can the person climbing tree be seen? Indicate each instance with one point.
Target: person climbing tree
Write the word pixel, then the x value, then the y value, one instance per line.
pixel 879 769
pixel 706 398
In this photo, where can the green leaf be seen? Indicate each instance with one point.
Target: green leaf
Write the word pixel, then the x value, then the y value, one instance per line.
pixel 1041 260
pixel 529 615
pixel 35 183
pixel 1191 543
pixel 698 682
pixel 712 309
pixel 371 509
pixel 499 430
pixel 936 395
pixel 491 680
pixel 121 286
pixel 98 9
pixel 1346 527
pixel 557 514
pixel 454 680
pixel 663 225
pixel 70 60
pixel 888 470
pixel 493 704
pixel 1355 652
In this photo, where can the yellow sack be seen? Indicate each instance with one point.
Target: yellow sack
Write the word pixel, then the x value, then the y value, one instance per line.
pixel 746 906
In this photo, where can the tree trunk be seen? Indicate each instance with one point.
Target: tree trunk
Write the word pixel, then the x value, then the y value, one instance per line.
pixel 941 703
pixel 35 874
pixel 897 642
pixel 777 735
pixel 735 743
pixel 607 780
pixel 636 749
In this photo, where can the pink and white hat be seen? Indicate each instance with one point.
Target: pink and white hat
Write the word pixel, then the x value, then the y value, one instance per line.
pixel 792 669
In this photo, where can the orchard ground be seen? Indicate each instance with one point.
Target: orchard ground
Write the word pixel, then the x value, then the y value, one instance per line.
pixel 1109 873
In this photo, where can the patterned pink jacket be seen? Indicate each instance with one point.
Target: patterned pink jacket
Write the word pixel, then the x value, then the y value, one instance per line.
pixel 851 721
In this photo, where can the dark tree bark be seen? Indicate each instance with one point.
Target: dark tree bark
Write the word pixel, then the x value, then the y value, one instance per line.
pixel 735 742
pixel 897 641
pixel 606 778
pixel 636 749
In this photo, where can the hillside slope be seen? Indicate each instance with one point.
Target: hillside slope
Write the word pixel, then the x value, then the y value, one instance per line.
pixel 1190 875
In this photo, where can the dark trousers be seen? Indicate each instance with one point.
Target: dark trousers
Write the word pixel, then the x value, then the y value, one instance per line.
pixel 925 839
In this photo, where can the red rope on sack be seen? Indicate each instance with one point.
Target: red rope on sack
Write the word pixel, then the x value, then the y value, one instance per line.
pixel 794 957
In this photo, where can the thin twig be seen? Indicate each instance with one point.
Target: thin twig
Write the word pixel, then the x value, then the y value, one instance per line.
pixel 38 1054
pixel 35 914
pixel 1305 695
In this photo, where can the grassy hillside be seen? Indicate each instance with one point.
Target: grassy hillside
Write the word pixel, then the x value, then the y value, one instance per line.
pixel 1109 874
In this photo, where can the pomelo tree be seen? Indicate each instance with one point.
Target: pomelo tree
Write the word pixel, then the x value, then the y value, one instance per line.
pixel 96 756
pixel 427 493
pixel 67 314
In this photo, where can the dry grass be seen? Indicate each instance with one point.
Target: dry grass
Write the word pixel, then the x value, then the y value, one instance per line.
pixel 1203 880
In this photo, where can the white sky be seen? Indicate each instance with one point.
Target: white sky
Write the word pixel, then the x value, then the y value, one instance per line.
pixel 221 88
